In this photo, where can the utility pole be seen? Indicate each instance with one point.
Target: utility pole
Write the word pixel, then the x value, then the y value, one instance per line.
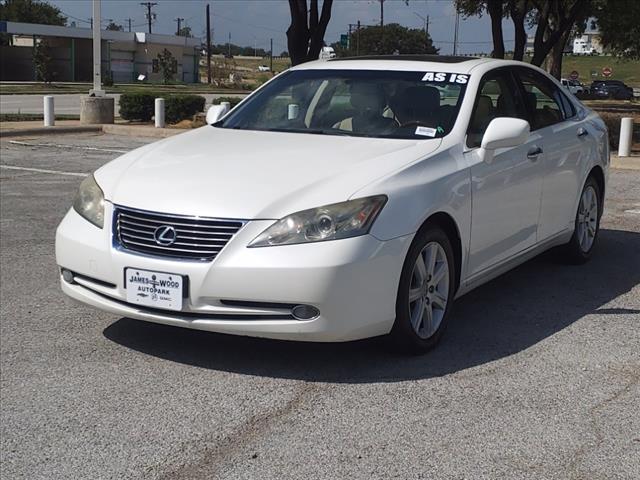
pixel 426 26
pixel 179 20
pixel 455 34
pixel 271 56
pixel 358 40
pixel 229 45
pixel 208 45
pixel 129 20
pixel 381 25
pixel 149 5
pixel 91 22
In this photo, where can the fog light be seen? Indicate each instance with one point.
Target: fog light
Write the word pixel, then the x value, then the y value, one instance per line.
pixel 67 275
pixel 305 312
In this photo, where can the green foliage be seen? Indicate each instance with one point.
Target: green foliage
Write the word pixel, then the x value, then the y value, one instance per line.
pixel 223 49
pixel 619 23
pixel 406 41
pixel 185 32
pixel 114 27
pixel 137 106
pixel 141 106
pixel 43 62
pixel 31 11
pixel 232 100
pixel 183 107
pixel 168 65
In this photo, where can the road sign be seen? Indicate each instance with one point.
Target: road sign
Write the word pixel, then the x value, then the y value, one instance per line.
pixel 344 41
pixel 574 75
pixel 606 71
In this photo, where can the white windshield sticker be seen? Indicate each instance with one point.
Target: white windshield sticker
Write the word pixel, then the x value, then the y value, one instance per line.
pixel 426 131
pixel 445 77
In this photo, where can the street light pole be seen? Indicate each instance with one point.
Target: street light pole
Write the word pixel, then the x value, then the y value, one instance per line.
pixel 426 26
pixel 97 53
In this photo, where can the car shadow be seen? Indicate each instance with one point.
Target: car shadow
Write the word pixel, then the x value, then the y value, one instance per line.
pixel 503 317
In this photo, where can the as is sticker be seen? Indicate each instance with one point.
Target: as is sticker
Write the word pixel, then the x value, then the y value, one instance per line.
pixel 445 77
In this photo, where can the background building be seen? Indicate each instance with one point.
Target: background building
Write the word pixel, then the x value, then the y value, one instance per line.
pixel 125 55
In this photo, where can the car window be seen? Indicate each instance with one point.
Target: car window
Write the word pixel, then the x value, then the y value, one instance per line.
pixel 542 99
pixel 373 103
pixel 496 98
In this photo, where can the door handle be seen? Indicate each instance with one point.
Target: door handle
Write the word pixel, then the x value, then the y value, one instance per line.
pixel 582 132
pixel 533 153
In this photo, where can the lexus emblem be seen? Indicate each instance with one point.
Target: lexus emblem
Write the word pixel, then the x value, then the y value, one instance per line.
pixel 165 235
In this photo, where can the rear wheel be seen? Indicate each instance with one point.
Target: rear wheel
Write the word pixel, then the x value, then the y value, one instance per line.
pixel 587 223
pixel 425 293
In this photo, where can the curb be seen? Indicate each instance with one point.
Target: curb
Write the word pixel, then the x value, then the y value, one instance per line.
pixel 128 130
pixel 625 163
pixel 50 130
pixel 140 131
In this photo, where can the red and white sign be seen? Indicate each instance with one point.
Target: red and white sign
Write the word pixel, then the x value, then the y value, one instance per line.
pixel 606 71
pixel 574 75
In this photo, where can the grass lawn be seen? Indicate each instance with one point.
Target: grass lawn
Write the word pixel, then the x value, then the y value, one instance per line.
pixel 61 88
pixel 626 70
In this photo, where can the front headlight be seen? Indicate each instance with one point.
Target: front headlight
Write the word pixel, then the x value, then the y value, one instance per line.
pixel 89 202
pixel 331 222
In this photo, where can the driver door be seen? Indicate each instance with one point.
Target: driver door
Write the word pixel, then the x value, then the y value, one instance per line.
pixel 506 192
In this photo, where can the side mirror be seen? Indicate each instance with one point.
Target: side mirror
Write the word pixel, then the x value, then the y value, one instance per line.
pixel 503 132
pixel 216 112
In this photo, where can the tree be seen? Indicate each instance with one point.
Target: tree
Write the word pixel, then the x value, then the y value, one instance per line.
pixel 114 27
pixel 618 21
pixel 168 65
pixel 305 35
pixel 555 19
pixel 518 10
pixel 409 41
pixel 43 62
pixel 31 11
pixel 495 9
pixel 185 32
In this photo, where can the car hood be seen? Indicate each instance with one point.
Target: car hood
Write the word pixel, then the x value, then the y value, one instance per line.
pixel 252 174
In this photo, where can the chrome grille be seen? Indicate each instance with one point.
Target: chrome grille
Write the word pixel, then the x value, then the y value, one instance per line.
pixel 197 238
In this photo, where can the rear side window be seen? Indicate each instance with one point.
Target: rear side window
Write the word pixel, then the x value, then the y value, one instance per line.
pixel 496 98
pixel 543 100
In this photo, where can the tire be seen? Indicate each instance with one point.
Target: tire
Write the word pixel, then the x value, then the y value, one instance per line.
pixel 411 334
pixel 585 234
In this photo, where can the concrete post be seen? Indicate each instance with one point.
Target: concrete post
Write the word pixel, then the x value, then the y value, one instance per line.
pixel 626 132
pixel 96 110
pixel 159 112
pixel 49 114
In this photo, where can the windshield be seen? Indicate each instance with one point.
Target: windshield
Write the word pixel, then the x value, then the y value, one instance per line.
pixel 370 103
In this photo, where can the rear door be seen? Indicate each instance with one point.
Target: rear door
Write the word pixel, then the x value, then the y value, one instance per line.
pixel 505 191
pixel 566 142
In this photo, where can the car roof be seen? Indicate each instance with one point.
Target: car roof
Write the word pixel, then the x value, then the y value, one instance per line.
pixel 454 64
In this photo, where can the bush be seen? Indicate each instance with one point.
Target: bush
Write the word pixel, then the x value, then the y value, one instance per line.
pixel 137 106
pixel 232 100
pixel 612 120
pixel 183 107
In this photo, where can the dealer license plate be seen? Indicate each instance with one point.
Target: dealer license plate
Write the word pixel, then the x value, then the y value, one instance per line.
pixel 154 289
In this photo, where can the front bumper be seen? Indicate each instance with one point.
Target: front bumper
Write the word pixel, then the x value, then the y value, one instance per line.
pixel 247 291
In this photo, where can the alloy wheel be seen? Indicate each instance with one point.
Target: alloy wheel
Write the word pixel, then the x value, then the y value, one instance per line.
pixel 587 218
pixel 429 290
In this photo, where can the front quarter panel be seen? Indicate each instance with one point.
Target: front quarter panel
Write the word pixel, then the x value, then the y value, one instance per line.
pixel 439 183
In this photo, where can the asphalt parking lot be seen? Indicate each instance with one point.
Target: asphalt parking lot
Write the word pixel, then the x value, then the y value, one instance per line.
pixel 537 376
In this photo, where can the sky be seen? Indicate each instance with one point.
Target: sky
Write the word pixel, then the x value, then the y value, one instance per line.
pixel 255 22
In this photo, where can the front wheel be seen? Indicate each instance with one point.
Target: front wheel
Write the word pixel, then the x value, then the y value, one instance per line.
pixel 587 224
pixel 425 293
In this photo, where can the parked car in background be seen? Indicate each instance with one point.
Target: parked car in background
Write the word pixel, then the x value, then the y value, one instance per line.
pixel 611 89
pixel 573 86
pixel 345 199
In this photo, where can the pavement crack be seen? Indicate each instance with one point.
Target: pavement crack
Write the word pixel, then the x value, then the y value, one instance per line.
pixel 590 445
pixel 210 452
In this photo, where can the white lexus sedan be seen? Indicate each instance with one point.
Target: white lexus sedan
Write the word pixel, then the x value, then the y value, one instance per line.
pixel 344 199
